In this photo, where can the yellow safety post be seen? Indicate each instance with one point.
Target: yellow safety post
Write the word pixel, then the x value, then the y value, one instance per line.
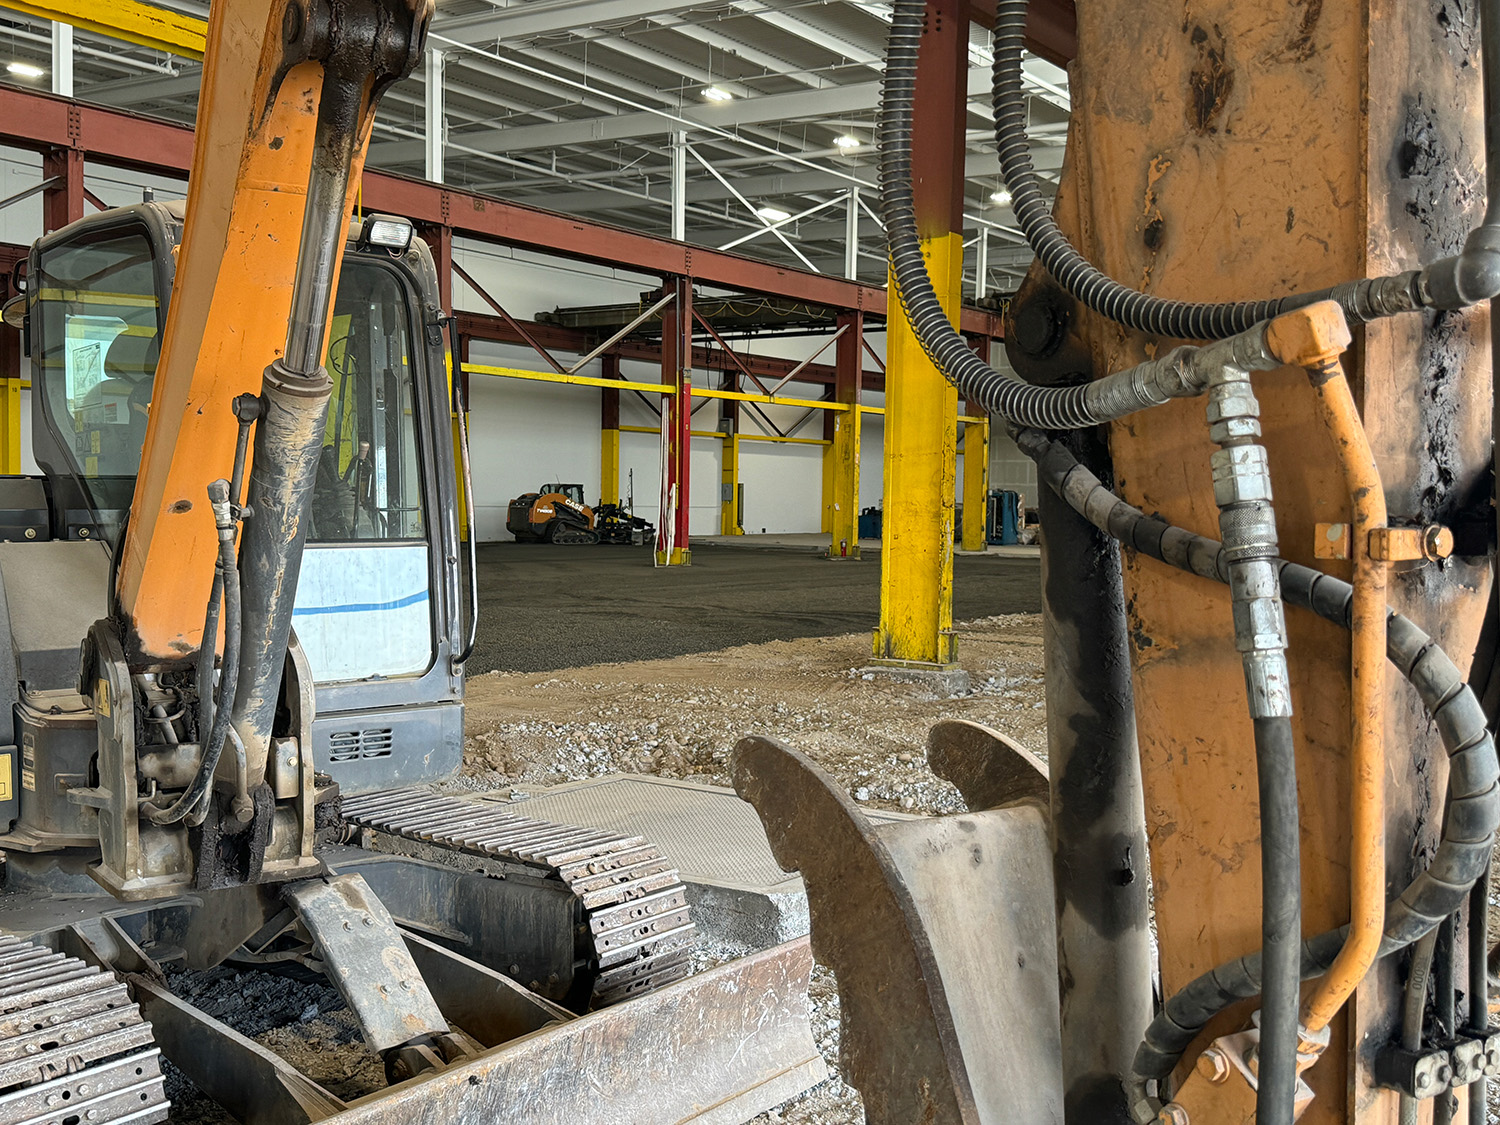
pixel 841 459
pixel 976 481
pixel 609 465
pixel 828 457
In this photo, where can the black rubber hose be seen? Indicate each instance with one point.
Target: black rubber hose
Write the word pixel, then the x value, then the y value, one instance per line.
pixel 213 747
pixel 1361 300
pixel 1473 804
pixel 1053 408
pixel 1281 920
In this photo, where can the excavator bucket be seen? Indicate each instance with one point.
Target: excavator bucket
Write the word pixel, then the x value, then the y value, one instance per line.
pixel 947 973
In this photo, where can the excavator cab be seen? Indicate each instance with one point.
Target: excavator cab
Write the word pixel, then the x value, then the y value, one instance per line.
pixel 377 610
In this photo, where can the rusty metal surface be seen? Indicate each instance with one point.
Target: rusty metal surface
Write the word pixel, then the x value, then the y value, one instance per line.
pixel 71 1038
pixel 367 961
pixel 1237 150
pixel 989 768
pixel 635 904
pixel 947 968
pixel 715 1049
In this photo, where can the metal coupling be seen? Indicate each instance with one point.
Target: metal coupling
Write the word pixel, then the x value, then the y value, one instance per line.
pixel 218 500
pixel 1378 297
pixel 1471 276
pixel 1247 526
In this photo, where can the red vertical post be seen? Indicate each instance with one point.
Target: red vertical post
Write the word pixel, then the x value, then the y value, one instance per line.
pixel 439 240
pixel 62 203
pixel 677 372
pixel 842 429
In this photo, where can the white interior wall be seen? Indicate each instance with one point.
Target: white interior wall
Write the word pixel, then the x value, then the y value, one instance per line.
pixel 525 434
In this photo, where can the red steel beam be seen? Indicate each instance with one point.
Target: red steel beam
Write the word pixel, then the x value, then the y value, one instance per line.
pixel 477 326
pixel 45 123
pixel 1051 27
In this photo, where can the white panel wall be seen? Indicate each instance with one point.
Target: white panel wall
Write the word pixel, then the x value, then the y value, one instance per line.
pixel 525 434
pixel 783 487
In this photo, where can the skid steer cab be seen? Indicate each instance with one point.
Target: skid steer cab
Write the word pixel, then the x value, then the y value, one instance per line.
pixel 379 611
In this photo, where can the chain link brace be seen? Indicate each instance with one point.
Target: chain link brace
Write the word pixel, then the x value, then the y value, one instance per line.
pixel 1247 526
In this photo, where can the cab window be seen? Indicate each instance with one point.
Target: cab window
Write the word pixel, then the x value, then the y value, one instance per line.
pixel 369 482
pixel 97 323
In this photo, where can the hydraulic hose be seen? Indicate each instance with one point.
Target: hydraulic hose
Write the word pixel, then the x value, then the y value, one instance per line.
pixel 1473 800
pixel 1444 1007
pixel 1281 920
pixel 1362 300
pixel 1182 372
pixel 1455 282
pixel 1336 407
pixel 1247 522
pixel 213 745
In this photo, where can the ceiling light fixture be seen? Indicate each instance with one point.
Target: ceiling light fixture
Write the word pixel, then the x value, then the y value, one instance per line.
pixel 772 214
pixel 717 94
pixel 25 70
pixel 846 142
pixel 1002 197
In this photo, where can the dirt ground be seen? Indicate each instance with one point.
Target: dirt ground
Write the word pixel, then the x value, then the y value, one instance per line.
pixel 544 607
pixel 681 717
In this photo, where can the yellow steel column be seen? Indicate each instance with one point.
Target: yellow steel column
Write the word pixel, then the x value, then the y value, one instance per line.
pixel 828 459
pixel 976 478
pixel 921 439
pixel 609 435
pixel 841 459
pixel 921 419
pixel 729 519
pixel 10 426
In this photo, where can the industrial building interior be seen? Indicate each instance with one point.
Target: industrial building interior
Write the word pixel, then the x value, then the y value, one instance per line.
pixel 749 562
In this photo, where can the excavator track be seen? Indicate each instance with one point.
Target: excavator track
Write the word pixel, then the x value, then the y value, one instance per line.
pixel 73 1046
pixel 634 902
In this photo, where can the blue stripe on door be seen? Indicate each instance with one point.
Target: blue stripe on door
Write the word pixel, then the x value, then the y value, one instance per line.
pixel 361 607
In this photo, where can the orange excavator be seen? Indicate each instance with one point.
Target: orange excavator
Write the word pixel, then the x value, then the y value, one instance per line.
pixel 237 638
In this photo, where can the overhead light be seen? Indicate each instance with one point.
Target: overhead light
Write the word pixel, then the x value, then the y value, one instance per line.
pixel 1002 197
pixel 25 70
pixel 717 94
pixel 772 214
pixel 846 142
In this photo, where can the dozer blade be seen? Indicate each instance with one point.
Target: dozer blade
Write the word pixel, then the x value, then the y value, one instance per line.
pixel 939 930
pixel 714 1049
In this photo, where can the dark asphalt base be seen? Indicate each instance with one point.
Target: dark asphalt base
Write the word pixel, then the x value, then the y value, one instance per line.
pixel 544 607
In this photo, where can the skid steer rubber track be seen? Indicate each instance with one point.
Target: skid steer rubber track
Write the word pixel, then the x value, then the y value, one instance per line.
pixel 634 902
pixel 73 1046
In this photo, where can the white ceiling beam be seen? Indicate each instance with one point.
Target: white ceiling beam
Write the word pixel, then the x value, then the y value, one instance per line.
pixel 835 101
pixel 545 17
